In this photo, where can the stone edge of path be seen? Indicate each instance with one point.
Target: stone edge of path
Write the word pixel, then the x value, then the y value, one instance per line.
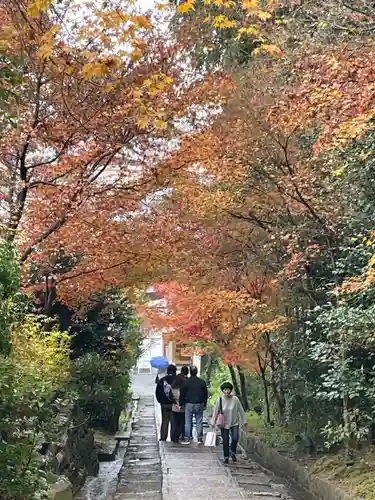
pixel 312 486
pixel 163 466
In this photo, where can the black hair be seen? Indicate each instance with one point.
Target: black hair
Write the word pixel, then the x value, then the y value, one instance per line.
pixel 171 370
pixel 185 370
pixel 193 371
pixel 226 385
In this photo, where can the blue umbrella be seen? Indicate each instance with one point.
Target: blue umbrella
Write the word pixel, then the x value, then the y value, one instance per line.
pixel 159 362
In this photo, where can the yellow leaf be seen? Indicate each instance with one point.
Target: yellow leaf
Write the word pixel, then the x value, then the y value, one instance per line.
pixel 168 80
pixel 46 49
pixel 95 69
pixel 263 15
pixel 36 7
pixel 160 124
pixel 371 262
pixel 223 22
pixel 370 243
pixel 338 172
pixel 136 54
pixel 142 22
pixel 250 4
pixel 186 6
pixel 162 6
pixel 143 122
pixel 250 30
pixel 87 54
pixel 229 23
pixel 273 50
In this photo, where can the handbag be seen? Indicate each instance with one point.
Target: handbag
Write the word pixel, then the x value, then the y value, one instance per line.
pixel 219 422
pixel 210 439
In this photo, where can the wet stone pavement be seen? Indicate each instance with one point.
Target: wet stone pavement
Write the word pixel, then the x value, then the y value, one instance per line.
pixel 168 471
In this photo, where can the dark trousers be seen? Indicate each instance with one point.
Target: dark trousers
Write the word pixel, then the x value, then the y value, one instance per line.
pixel 178 426
pixel 234 434
pixel 166 419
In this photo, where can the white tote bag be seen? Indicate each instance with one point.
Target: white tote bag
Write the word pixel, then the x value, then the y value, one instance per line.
pixel 210 439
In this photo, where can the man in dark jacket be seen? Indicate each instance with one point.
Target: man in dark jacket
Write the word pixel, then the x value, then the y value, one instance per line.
pixel 193 398
pixel 165 398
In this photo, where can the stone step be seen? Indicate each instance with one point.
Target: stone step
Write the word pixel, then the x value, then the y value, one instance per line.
pixel 142 447
pixel 139 487
pixel 149 495
pixel 122 436
pixel 257 488
pixel 252 480
pixel 132 477
pixel 238 471
pixel 247 467
pixel 261 496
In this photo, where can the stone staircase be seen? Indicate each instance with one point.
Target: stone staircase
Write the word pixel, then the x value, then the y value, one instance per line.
pixel 141 476
pixel 257 483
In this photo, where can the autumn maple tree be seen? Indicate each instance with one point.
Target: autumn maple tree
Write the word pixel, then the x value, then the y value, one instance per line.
pixel 98 97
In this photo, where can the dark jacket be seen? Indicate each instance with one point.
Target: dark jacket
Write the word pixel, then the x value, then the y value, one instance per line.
pixel 161 397
pixel 194 391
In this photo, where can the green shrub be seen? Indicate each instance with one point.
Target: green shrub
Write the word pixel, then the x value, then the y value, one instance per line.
pixel 102 385
pixel 29 414
pixel 277 436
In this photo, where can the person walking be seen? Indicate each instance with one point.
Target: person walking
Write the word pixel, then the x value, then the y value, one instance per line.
pixel 178 412
pixel 231 412
pixel 164 397
pixel 184 371
pixel 193 398
pixel 161 373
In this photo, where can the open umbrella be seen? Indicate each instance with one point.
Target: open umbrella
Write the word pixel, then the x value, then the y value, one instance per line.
pixel 159 362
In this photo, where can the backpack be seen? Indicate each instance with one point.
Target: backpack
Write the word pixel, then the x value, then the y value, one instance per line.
pixel 168 391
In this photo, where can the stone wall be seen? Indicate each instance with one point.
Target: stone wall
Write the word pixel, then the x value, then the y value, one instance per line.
pixel 75 456
pixel 315 487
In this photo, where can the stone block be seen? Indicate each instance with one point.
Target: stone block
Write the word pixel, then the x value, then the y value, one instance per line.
pixel 61 490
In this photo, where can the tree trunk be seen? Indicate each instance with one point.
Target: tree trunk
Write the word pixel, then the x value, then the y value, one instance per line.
pixel 265 390
pixel 211 363
pixel 50 295
pixel 245 402
pixel 234 381
pixel 279 400
pixel 278 395
pixel 266 398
